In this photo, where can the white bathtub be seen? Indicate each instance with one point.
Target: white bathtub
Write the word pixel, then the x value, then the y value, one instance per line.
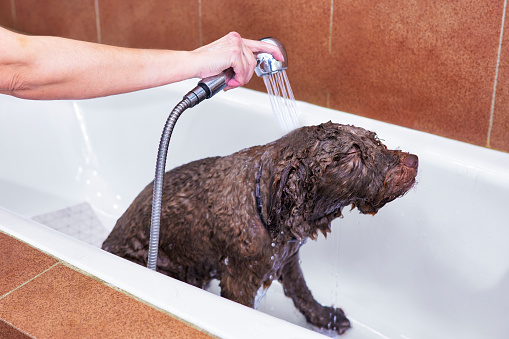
pixel 433 264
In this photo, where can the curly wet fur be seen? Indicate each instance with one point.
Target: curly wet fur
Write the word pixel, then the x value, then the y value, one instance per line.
pixel 210 226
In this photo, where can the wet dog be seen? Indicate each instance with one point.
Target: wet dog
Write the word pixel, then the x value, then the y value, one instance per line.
pixel 242 218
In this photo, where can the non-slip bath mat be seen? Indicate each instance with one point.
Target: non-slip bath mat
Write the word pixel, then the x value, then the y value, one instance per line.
pixel 78 221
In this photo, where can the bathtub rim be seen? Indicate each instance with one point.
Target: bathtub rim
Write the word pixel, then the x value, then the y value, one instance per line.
pixel 188 303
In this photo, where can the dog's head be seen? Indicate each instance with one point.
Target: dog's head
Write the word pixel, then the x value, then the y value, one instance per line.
pixel 322 169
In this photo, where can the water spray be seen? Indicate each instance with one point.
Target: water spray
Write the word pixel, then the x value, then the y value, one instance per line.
pixel 273 73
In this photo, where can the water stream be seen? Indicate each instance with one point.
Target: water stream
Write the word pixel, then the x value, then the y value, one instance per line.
pixel 282 100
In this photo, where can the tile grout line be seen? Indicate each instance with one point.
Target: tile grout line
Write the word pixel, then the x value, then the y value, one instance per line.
pixel 200 29
pixel 327 96
pixel 330 25
pixel 492 109
pixel 97 21
pixel 13 13
pixel 16 328
pixel 30 280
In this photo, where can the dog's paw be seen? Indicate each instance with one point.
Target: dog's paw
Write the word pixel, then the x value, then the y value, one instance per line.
pixel 338 322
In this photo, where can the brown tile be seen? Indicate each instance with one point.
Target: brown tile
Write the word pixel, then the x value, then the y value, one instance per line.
pixel 6 17
pixel 499 139
pixel 63 303
pixel 150 23
pixel 425 65
pixel 19 263
pixel 71 19
pixel 302 26
pixel 7 331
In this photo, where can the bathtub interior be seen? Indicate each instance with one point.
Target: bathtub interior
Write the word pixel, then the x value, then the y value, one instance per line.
pixel 434 263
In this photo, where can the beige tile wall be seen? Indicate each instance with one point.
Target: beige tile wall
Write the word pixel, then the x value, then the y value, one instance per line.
pixel 427 65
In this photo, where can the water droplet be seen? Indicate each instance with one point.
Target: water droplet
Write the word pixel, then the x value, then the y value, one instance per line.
pixel 273 244
pixel 226 261
pixel 272 258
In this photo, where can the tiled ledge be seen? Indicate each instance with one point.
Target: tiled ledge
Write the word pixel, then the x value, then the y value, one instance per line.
pixel 43 297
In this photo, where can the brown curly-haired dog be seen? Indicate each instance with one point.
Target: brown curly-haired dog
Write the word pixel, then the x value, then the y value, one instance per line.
pixel 242 218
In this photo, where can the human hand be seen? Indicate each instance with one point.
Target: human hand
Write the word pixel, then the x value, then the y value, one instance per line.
pixel 232 51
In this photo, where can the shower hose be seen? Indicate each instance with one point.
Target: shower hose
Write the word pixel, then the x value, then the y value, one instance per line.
pixel 205 89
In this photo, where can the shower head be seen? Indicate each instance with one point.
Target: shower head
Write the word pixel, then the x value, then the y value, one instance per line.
pixel 266 63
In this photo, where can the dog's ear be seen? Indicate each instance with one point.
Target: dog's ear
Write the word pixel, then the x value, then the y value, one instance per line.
pixel 309 163
pixel 285 190
pixel 334 189
pixel 293 183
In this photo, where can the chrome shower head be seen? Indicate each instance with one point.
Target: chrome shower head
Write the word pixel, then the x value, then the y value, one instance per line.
pixel 266 63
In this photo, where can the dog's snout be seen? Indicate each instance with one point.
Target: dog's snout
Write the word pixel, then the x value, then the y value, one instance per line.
pixel 411 161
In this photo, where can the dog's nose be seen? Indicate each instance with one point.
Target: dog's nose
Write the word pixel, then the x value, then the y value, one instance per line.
pixel 411 160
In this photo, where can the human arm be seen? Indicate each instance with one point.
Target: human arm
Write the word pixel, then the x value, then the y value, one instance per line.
pixel 42 67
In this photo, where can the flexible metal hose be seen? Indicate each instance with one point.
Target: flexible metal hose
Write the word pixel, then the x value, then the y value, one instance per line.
pixel 158 181
pixel 206 89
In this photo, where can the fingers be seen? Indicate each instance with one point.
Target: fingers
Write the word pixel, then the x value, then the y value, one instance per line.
pixel 243 65
pixel 233 51
pixel 260 46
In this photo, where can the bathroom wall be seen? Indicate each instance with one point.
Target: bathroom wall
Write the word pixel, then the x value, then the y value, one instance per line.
pixel 437 66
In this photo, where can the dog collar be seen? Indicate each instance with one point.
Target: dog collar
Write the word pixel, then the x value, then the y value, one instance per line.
pixel 259 206
pixel 259 199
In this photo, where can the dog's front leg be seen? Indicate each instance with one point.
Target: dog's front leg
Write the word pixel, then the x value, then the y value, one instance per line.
pixel 235 283
pixel 295 287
